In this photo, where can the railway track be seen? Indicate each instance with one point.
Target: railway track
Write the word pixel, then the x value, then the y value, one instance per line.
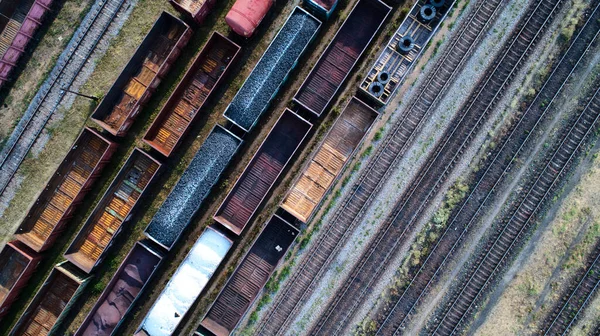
pixel 336 231
pixel 579 297
pixel 518 221
pixel 50 95
pixel 494 172
pixel 464 127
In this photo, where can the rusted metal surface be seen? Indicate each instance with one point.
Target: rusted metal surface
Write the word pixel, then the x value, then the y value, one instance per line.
pixel 263 170
pixel 246 15
pixel 114 210
pixel 196 9
pixel 250 277
pixel 142 74
pixel 19 21
pixel 122 291
pixel 329 159
pixel 186 284
pixel 52 302
pixel 184 105
pixel 17 264
pixel 340 57
pixel 65 190
pixel 195 184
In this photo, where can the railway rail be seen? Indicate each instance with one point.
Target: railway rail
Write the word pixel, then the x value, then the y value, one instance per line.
pixel 578 299
pixel 435 171
pixel 495 171
pixel 49 97
pixel 336 231
pixel 518 220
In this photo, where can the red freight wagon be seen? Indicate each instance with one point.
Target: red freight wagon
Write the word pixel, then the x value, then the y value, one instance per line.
pixel 52 302
pixel 183 107
pixel 17 263
pixel 142 74
pixel 250 277
pixel 65 190
pixel 114 209
pixel 246 15
pixel 263 170
pixel 19 20
pixel 197 9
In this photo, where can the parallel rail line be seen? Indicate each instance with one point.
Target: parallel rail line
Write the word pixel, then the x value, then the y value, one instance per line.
pixel 519 220
pixel 50 96
pixel 494 173
pixel 464 128
pixel 336 231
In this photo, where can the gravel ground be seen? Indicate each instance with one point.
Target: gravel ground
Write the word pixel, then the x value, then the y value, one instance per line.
pixel 270 72
pixel 424 142
pixel 196 182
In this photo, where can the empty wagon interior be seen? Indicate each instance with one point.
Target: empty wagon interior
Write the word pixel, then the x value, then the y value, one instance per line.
pixel 12 266
pixel 12 15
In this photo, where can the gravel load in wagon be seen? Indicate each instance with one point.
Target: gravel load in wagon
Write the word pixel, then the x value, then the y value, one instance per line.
pixel 272 69
pixel 17 264
pixel 260 174
pixel 114 209
pixel 250 277
pixel 143 73
pixel 52 302
pixel 404 49
pixel 340 57
pixel 194 185
pixel 329 159
pixel 186 284
pixel 19 21
pixel 184 105
pixel 125 287
pixel 65 190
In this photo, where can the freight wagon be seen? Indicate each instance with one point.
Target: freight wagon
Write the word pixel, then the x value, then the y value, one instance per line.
pixel 250 277
pixel 329 159
pixel 65 190
pixel 194 185
pixel 196 9
pixel 340 57
pixel 52 302
pixel 272 69
pixel 122 291
pixel 245 15
pixel 183 107
pixel 263 170
pixel 324 8
pixel 404 49
pixel 17 263
pixel 115 208
pixel 142 74
pixel 186 284
pixel 19 20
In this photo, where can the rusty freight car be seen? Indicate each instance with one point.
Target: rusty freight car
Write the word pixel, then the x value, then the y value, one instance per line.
pixel 122 291
pixel 65 190
pixel 52 302
pixel 336 62
pixel 263 170
pixel 142 74
pixel 195 183
pixel 272 69
pixel 250 277
pixel 186 284
pixel 114 209
pixel 183 107
pixel 245 15
pixel 403 50
pixel 329 159
pixel 19 20
pixel 196 9
pixel 17 263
